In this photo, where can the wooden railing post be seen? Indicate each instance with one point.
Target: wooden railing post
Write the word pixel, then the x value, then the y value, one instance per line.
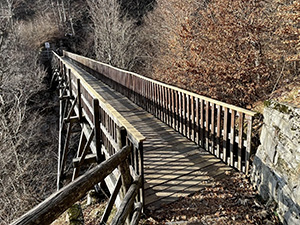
pixel 96 122
pixel 124 166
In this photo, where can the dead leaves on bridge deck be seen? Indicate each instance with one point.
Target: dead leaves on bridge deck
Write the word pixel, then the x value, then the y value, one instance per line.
pixel 230 200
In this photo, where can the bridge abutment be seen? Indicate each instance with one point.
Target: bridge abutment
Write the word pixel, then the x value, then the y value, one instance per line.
pixel 276 167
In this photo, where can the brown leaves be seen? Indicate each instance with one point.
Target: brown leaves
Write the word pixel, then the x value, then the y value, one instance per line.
pixel 230 201
pixel 221 49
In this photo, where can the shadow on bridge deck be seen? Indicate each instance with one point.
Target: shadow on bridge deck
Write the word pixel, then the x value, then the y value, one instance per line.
pixel 174 166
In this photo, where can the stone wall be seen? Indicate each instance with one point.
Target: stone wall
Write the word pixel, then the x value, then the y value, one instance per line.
pixel 276 166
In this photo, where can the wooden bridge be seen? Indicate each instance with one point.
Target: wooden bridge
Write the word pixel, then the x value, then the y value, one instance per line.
pixel 176 142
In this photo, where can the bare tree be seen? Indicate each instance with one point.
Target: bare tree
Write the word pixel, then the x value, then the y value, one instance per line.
pixel 115 35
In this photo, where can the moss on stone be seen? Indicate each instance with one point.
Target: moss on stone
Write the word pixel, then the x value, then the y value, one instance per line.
pixel 277 106
pixel 75 215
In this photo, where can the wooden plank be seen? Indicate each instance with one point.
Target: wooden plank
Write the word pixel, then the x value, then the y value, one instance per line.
pixel 218 131
pixel 188 117
pixel 232 137
pixel 111 202
pixel 193 126
pixel 82 142
pixel 197 124
pixel 240 141
pixel 180 124
pixel 213 144
pixel 173 109
pixel 89 158
pixel 248 145
pixel 79 100
pixel 202 123
pixel 225 135
pixel 96 121
pixel 207 123
pixel 136 214
pixel 127 203
pixel 184 118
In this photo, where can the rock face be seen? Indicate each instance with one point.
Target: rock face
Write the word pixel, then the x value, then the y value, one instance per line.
pixel 276 166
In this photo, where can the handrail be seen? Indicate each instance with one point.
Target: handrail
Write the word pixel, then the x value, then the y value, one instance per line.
pixel 107 127
pixel 52 207
pixel 223 129
pixel 118 118
pixel 229 106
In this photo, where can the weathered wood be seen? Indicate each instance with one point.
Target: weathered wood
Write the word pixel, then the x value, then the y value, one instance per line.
pixel 213 129
pixel 207 125
pixel 88 159
pixel 225 134
pixel 96 122
pixel 111 202
pixel 218 131
pixel 96 64
pixel 124 166
pixel 79 100
pixel 248 146
pixel 202 123
pixel 65 151
pixel 240 141
pixel 193 127
pixel 137 214
pixel 47 211
pixel 232 136
pixel 127 203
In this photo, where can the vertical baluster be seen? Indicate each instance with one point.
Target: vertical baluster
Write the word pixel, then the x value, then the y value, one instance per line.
pixel 170 107
pixel 248 146
pixel 184 120
pixel 240 142
pixel 218 130
pixel 167 105
pixel 180 123
pixel 232 137
pixel 173 109
pixel 202 122
pixel 79 100
pixel 96 121
pixel 193 136
pixel 225 134
pixel 188 117
pixel 161 102
pixel 197 123
pixel 207 125
pixel 177 111
pixel 213 128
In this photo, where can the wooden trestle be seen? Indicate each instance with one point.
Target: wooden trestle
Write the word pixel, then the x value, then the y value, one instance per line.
pixel 191 140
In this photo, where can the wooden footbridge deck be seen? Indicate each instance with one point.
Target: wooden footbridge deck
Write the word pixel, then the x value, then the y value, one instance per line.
pixel 179 141
pixel 173 165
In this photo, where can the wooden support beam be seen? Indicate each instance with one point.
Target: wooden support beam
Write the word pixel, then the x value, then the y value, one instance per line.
pixel 51 208
pixel 89 158
pixel 66 97
pixel 127 203
pixel 65 151
pixel 98 138
pixel 82 142
pixel 111 202
pixel 136 214
pixel 72 119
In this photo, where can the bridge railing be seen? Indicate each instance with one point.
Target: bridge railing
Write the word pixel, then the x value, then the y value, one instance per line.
pixel 222 129
pixel 107 131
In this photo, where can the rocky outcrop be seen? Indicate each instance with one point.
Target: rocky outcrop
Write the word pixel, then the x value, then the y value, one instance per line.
pixel 276 166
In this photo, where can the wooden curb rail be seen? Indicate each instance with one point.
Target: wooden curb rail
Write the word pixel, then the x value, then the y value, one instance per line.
pixel 51 208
